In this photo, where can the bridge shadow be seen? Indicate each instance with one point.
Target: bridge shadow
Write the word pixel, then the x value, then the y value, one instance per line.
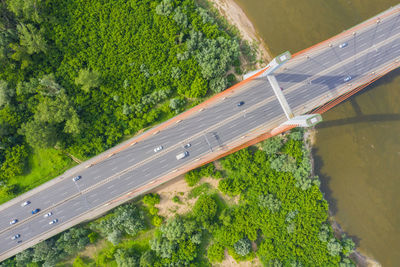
pixel 360 117
pixel 331 81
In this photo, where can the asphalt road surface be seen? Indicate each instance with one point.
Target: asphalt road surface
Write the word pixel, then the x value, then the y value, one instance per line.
pixel 302 81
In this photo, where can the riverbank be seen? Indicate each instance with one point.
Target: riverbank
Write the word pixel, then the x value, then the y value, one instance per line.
pixel 235 16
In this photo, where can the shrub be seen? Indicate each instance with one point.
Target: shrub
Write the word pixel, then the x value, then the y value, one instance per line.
pixel 157 220
pixel 93 236
pixel 153 210
pixel 215 252
pixel 151 199
pixel 243 246
pixel 176 199
pixel 192 177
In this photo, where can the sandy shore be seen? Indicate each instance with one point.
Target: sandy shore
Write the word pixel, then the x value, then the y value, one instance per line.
pixel 235 16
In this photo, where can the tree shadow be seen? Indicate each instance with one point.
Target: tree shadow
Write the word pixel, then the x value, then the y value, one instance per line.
pixel 325 181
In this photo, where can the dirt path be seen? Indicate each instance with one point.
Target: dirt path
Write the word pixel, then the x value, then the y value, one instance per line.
pixel 235 16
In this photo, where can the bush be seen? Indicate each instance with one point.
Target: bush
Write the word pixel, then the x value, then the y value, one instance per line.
pixel 205 209
pixel 151 199
pixel 93 236
pixel 243 246
pixel 153 210
pixel 192 177
pixel 157 220
pixel 216 253
pixel 197 191
pixel 176 199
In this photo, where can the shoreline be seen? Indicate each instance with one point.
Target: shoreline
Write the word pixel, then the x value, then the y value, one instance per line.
pixel 359 258
pixel 234 14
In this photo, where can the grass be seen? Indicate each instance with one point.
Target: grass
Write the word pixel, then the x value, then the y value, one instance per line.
pixel 44 165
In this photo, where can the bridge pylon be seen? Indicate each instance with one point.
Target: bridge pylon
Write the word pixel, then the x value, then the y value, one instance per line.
pixel 307 120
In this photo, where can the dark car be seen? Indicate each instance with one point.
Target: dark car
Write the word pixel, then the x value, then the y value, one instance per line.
pixel 241 103
pixel 35 211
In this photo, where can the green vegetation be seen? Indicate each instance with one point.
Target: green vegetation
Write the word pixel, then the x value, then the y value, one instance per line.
pixel 280 218
pixel 82 75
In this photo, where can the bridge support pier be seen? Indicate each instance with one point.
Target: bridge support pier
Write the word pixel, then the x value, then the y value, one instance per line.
pixel 301 120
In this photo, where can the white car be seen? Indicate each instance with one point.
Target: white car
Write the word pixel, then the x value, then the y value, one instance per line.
pixel 187 145
pixel 25 203
pixel 158 149
pixel 48 214
pixel 14 221
pixel 53 221
pixel 348 78
pixel 15 236
pixel 343 45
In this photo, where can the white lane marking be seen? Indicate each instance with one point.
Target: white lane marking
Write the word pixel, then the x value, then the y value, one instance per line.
pixel 47 202
pixel 114 191
pixel 113 169
pixel 97 177
pixel 132 182
pixel 76 204
pixel 145 170
pixel 93 195
pixel 131 160
pixel 65 193
pixel 164 160
pixel 111 186
pixel 166 165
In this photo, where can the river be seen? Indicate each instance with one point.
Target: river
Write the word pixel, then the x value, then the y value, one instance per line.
pixel 357 151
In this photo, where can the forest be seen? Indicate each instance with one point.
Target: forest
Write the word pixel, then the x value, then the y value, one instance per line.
pixel 265 209
pixel 77 76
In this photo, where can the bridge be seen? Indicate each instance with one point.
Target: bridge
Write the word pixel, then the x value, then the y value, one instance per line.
pixel 311 82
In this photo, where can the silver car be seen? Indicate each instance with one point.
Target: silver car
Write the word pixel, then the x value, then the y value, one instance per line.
pixel 48 214
pixel 348 78
pixel 159 148
pixel 15 236
pixel 25 203
pixel 53 221
pixel 14 221
pixel 343 45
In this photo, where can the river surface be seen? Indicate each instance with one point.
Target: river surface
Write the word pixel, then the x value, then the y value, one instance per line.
pixel 358 145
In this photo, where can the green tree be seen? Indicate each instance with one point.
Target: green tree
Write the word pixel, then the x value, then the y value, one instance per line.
pixel 243 247
pixel 38 134
pixel 147 259
pixel 216 252
pixel 88 79
pixel 334 247
pixel 31 38
pixel 5 93
pixel 26 9
pixel 205 210
pixel 151 199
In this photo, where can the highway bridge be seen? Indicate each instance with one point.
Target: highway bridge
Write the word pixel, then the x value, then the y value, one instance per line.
pixel 312 81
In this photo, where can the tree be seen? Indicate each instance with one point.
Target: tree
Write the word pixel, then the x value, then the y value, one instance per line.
pixel 88 79
pixel 243 246
pixel 48 85
pixel 25 9
pixel 215 252
pixel 348 245
pixel 151 199
pixel 38 134
pixel 165 8
pixel 31 38
pixel 205 210
pixel 272 145
pixel 147 259
pixel 334 247
pixel 14 162
pixel 5 93
pixel 269 201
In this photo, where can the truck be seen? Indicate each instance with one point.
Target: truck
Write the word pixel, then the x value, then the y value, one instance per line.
pixel 182 155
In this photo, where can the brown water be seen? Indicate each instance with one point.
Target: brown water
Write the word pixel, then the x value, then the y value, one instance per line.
pixel 358 145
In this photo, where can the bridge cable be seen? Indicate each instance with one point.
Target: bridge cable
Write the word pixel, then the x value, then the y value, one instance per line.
pixel 391 30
